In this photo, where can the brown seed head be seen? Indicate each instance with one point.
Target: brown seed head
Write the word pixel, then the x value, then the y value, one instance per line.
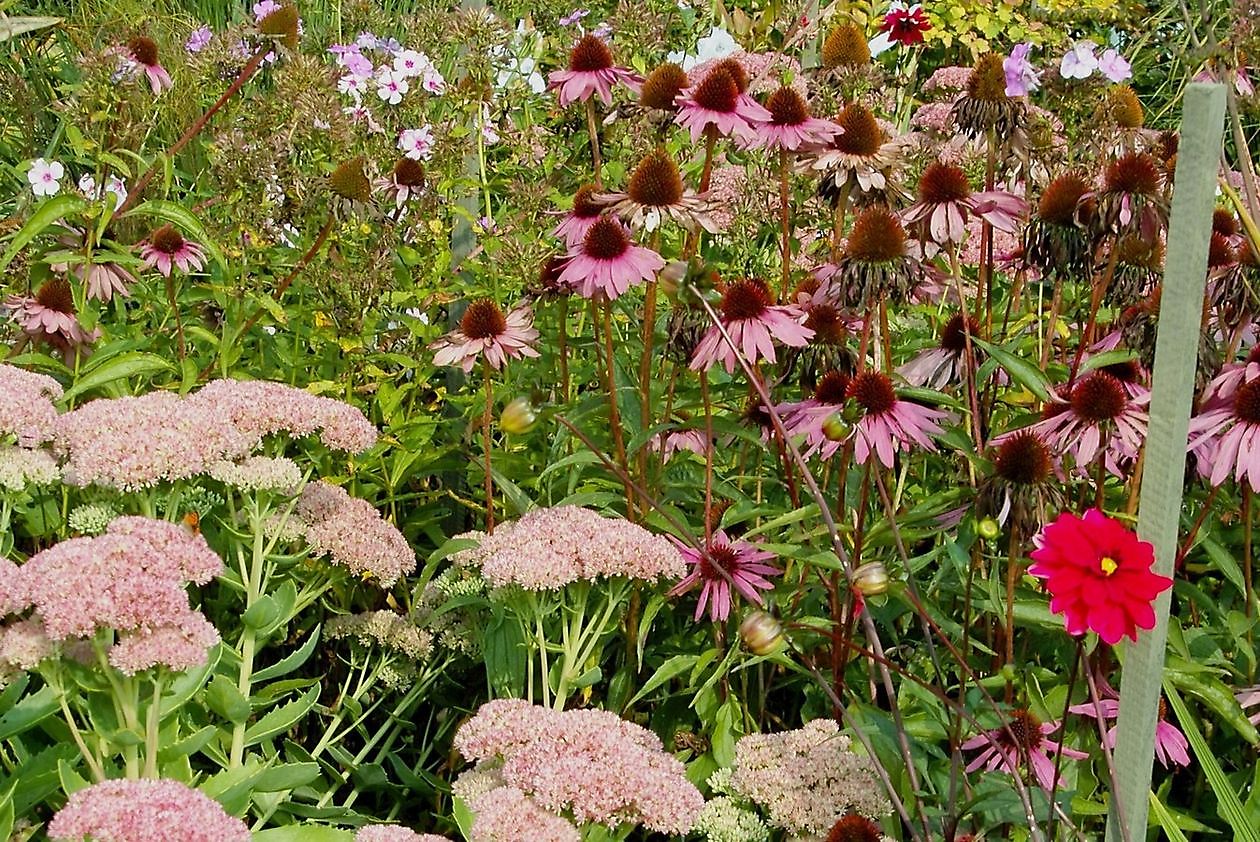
pixel 409 173
pixel 827 324
pixel 283 24
pixel 143 50
pixel 846 47
pixel 1246 402
pixel 862 135
pixel 1026 729
pixel 737 71
pixel 1135 173
pixel 56 295
pixel 656 181
pixel 1224 222
pixel 590 54
pixel 877 236
pixel 167 239
pixel 483 320
pixel 350 181
pixel 1023 459
pixel 853 827
pixel 953 339
pixel 787 107
pixel 662 86
pixel 1062 195
pixel 1098 397
pixel 1221 251
pixel 1124 107
pixel 942 183
pixel 718 91
pixel 988 79
pixel 873 391
pixel 606 240
pixel 583 206
pixel 832 388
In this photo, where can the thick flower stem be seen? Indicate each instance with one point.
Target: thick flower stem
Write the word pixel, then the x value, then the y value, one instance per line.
pixel 708 459
pixel 645 362
pixel 785 228
pixel 614 412
pixel 179 322
pixel 153 721
pixel 592 129
pixel 706 178
pixel 1096 297
pixel 837 222
pixel 486 441
pixel 247 71
pixel 255 589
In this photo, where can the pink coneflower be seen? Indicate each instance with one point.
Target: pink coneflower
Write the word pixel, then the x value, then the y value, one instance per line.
pixel 791 128
pixel 607 263
pixel 861 161
pixel 816 416
pixel 754 324
pixel 590 72
pixel 406 180
pixel 50 316
pixel 1098 419
pixel 718 104
pixel 1170 743
pixel 946 200
pixel 1023 741
pixel 655 193
pixel 144 53
pixel 104 280
pixel 1224 434
pixel 485 330
pixel 935 368
pixel 669 443
pixel 572 229
pixel 888 423
pixel 166 248
pixel 742 563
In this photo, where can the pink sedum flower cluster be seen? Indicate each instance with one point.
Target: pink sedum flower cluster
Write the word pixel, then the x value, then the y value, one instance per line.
pixel 26 405
pixel 394 833
pixel 589 764
pixel 352 533
pixel 130 580
pixel 505 814
pixel 132 443
pixel 549 548
pixel 144 811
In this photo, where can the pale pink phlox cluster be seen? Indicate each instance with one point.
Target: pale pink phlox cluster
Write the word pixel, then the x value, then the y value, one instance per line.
pixel 352 533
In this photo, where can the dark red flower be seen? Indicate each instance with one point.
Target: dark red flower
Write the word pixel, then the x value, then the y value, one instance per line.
pixel 906 26
pixel 1098 574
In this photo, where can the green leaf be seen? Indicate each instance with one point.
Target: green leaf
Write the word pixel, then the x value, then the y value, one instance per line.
pixel 11 28
pixel 672 668
pixel 286 776
pixel 282 718
pixel 291 661
pixel 262 613
pixel 1166 820
pixel 1227 802
pixel 6 816
pixel 180 216
pixel 1213 693
pixel 45 215
pixel 190 745
pixel 226 699
pixel 28 713
pixel 1022 371
pixel 303 833
pixel 133 364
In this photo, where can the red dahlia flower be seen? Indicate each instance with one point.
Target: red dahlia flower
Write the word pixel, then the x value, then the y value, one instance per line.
pixel 1098 574
pixel 905 26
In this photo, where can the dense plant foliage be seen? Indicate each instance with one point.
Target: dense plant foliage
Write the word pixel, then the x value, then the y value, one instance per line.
pixel 651 420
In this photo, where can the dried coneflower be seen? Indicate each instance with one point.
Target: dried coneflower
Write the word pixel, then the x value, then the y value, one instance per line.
pixel 662 86
pixel 282 24
pixel 349 180
pixel 875 264
pixel 656 193
pixel 1139 268
pixel 860 162
pixel 985 107
pixel 1056 240
pixel 1131 198
pixel 845 48
pixel 1122 108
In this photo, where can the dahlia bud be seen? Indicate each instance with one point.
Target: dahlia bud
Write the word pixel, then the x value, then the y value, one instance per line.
pixel 871 579
pixel 988 529
pixel 518 417
pixel 761 633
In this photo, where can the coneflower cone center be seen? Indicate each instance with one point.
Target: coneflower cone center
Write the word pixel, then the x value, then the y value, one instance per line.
pixel 873 391
pixel 662 85
pixel 282 22
pixel 409 172
pixel 719 557
pixel 1221 251
pixel 1058 202
pixel 167 240
pixel 350 181
pixel 828 327
pixel 1125 107
pixel 832 388
pixel 876 237
pixel 1023 459
pixel 144 50
pixel 846 47
pixel 787 107
pixel 746 299
pixel 1223 222
pixel 483 320
pixel 1134 251
pixel 942 183
pixel 590 54
pixel 1098 397
pixel 988 79
pixel 862 135
pixel 953 337
pixel 1247 402
pixel 854 828
pixel 1134 173
pixel 718 91
pixel 737 71
pixel 583 206
pixel 606 240
pixel 1026 729
pixel 56 295
pixel 656 181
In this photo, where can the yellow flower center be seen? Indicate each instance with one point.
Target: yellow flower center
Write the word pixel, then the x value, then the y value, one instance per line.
pixel 1108 565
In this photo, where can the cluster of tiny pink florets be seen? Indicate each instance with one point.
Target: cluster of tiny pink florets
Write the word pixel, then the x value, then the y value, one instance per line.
pixel 131 580
pixel 135 442
pixel 26 405
pixel 394 833
pixel 144 811
pixel 589 764
pixel 352 533
pixel 550 548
